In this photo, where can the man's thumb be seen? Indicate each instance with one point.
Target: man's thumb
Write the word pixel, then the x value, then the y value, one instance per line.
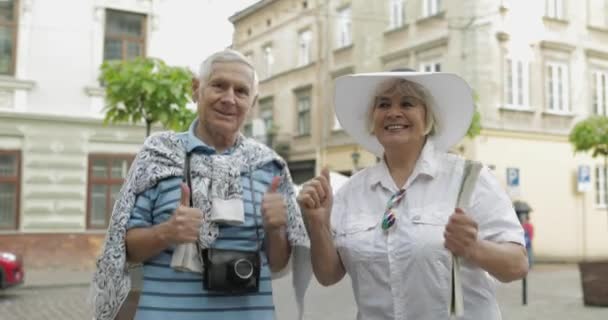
pixel 325 173
pixel 185 200
pixel 274 185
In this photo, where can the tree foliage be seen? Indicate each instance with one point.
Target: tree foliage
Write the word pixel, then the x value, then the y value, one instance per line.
pixel 591 134
pixel 148 90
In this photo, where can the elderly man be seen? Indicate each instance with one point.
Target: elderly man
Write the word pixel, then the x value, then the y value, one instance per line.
pixel 209 213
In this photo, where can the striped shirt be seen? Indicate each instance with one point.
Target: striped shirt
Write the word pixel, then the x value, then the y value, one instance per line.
pixel 170 294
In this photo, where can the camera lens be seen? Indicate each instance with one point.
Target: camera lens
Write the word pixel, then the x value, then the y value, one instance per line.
pixel 243 268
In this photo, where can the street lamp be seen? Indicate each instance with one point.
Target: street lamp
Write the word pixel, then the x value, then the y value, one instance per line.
pixel 355 155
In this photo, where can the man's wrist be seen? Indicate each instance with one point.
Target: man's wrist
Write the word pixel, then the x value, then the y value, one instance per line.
pixel 162 234
pixel 275 231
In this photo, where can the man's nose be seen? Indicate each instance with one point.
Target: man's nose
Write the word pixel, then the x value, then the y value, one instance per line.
pixel 229 96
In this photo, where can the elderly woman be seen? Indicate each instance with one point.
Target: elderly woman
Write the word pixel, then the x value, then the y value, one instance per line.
pixel 395 226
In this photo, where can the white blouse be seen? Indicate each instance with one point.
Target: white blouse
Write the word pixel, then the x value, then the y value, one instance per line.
pixel 404 273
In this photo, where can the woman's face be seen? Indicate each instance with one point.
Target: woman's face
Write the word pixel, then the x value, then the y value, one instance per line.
pixel 398 119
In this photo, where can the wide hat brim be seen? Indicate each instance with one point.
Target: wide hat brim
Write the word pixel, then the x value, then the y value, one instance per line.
pixel 452 105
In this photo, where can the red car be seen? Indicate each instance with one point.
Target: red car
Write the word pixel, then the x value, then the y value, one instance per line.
pixel 11 270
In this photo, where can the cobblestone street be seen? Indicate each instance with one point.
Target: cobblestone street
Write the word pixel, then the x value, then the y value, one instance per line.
pixel 65 303
pixel 554 294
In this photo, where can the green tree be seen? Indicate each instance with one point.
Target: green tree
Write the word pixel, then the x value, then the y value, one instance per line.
pixel 591 134
pixel 148 90
pixel 475 127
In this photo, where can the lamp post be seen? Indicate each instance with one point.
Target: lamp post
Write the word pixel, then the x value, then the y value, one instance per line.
pixel 355 155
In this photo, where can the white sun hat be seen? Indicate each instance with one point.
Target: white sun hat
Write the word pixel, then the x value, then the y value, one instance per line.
pixel 451 104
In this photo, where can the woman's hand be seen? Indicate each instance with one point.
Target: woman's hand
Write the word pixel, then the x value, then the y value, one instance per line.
pixel 316 198
pixel 461 234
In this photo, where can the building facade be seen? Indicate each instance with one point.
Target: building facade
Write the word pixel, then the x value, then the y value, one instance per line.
pixel 60 167
pixel 536 67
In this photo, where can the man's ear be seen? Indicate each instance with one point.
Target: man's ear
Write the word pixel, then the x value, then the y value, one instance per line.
pixel 255 99
pixel 195 85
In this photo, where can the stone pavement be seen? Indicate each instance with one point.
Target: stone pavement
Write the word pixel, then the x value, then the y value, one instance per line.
pixel 554 293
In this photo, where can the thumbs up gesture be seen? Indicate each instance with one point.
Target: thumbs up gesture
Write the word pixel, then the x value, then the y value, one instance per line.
pixel 274 210
pixel 185 221
pixel 316 198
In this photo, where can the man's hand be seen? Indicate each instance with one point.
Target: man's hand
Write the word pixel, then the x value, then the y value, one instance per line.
pixel 316 198
pixel 461 234
pixel 185 221
pixel 274 210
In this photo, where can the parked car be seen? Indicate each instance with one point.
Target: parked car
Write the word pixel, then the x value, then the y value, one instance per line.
pixel 11 270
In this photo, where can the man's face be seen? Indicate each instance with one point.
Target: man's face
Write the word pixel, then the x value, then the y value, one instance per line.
pixel 225 98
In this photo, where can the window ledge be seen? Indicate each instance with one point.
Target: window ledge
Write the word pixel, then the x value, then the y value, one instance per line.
pixel 556 20
pixel 302 136
pixel 95 91
pixel 344 48
pixel 598 28
pixel 396 29
pixel 559 113
pixel 7 82
pixel 523 109
pixel 438 16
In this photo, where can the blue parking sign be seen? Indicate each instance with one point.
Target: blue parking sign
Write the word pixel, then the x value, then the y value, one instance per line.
pixel 513 177
pixel 584 178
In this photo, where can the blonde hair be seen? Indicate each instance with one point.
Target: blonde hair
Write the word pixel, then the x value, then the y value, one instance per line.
pixel 405 88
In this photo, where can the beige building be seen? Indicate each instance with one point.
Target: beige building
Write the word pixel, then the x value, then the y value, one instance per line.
pixel 537 68
pixel 60 167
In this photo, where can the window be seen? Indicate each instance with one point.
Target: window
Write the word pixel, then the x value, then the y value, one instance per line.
pixel 430 66
pixel 106 176
pixel 10 177
pixel 266 113
pixel 598 13
pixel 431 8
pixel 599 91
pixel 396 13
pixel 554 9
pixel 344 27
pixel 125 35
pixel 557 88
pixel 601 176
pixel 517 83
pixel 268 61
pixel 8 36
pixel 303 105
pixel 304 47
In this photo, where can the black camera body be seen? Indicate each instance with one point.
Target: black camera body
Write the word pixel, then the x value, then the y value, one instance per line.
pixel 231 271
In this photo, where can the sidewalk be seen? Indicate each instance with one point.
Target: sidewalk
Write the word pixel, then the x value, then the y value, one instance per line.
pixel 56 278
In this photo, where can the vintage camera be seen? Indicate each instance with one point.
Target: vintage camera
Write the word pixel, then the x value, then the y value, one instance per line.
pixel 231 271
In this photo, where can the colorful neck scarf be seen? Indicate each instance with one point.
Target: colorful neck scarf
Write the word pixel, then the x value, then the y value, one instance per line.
pixel 389 215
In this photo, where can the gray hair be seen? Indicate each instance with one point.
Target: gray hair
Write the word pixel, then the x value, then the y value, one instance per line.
pixel 226 55
pixel 406 87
